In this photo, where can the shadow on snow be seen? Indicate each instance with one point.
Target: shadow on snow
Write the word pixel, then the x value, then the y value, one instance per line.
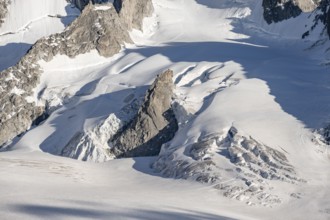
pixel 299 84
pixel 45 211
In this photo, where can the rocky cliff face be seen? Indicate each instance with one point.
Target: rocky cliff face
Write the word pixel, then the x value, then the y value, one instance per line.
pixel 133 11
pixel 328 21
pixel 307 5
pixel 81 4
pixel 325 132
pixel 321 16
pixel 324 15
pixel 97 28
pixel 3 9
pixel 154 124
pixel 279 10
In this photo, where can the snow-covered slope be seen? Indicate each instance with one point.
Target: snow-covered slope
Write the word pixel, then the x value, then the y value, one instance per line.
pixel 247 101
pixel 27 21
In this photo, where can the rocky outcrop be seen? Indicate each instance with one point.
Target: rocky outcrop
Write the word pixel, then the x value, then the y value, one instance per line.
pixel 279 10
pixel 321 16
pixel 81 4
pixel 324 15
pixel 99 27
pixel 325 132
pixel 132 12
pixel 154 124
pixel 307 5
pixel 138 129
pixel 18 109
pixel 3 9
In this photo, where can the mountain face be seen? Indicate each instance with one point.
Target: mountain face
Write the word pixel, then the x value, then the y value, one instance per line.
pixel 107 26
pixel 321 16
pixel 98 27
pixel 144 126
pixel 276 11
pixel 154 124
pixel 81 4
pixel 3 9
pixel 225 93
pixel 279 10
pixel 324 15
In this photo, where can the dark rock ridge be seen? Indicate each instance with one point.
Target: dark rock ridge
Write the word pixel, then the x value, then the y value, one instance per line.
pixel 321 15
pixel 100 29
pixel 279 10
pixel 154 124
pixel 326 134
pixel 133 11
pixel 3 9
pixel 324 15
pixel 81 4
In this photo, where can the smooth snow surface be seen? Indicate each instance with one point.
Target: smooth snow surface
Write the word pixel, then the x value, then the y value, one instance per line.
pixel 231 70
